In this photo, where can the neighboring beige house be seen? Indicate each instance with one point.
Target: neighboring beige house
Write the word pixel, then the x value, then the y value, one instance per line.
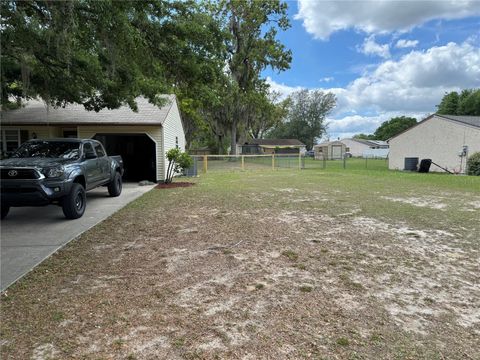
pixel 142 138
pixel 440 138
pixel 331 150
pixel 359 147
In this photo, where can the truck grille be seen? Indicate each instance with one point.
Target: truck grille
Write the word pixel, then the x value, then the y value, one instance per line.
pixel 17 173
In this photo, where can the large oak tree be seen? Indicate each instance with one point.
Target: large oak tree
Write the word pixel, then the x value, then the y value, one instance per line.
pixel 103 54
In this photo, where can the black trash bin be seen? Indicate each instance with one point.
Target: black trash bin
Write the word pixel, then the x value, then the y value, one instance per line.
pixel 425 165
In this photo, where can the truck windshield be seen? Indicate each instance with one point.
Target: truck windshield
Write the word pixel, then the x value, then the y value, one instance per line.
pixel 48 149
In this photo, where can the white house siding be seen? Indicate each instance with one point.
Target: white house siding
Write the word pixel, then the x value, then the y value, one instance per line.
pixel 355 148
pixel 172 131
pixel 42 132
pixel 154 132
pixel 438 139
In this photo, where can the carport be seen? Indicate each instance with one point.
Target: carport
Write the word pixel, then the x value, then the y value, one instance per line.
pixel 138 152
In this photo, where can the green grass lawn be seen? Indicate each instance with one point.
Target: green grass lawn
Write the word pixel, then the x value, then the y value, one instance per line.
pixel 317 263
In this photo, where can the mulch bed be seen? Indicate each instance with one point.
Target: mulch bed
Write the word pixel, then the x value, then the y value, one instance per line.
pixel 174 185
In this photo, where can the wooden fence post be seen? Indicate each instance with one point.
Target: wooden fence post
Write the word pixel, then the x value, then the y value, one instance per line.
pixel 243 162
pixel 273 161
pixel 205 163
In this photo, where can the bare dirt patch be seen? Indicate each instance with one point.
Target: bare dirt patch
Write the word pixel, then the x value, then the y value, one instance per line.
pixel 174 185
pixel 215 276
pixel 422 201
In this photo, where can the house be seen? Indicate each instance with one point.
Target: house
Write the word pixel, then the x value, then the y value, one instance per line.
pixel 142 138
pixel 445 139
pixel 331 150
pixel 270 146
pixel 361 147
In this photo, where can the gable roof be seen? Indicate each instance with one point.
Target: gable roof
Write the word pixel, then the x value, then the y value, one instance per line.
pixel 326 143
pixel 460 119
pixel 361 141
pixel 369 143
pixel 35 112
pixel 275 142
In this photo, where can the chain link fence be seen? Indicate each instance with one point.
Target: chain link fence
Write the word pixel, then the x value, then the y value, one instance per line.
pixel 346 164
pixel 223 163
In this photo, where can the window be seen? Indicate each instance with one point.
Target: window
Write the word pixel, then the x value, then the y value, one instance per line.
pixel 88 150
pixel 10 140
pixel 99 150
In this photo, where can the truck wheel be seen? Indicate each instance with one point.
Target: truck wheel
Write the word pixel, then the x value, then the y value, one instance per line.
pixel 74 204
pixel 5 210
pixel 115 186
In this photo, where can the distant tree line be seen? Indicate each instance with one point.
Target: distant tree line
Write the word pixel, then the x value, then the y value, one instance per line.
pixel 389 128
pixel 465 103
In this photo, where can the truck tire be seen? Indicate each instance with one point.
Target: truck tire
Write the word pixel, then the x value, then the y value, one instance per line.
pixel 5 210
pixel 75 202
pixel 115 186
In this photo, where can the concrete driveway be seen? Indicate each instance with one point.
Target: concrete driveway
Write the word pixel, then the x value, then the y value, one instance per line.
pixel 29 235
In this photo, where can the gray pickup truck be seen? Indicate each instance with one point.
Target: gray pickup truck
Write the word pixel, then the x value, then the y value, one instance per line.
pixel 58 171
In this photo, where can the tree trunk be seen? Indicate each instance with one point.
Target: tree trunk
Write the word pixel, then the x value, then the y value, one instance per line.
pixel 219 145
pixel 233 144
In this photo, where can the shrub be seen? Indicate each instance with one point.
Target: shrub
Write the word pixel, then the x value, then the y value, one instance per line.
pixel 178 161
pixel 473 164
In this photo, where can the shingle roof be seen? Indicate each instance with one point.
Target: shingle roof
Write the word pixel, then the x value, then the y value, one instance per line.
pixel 368 142
pixel 361 141
pixel 274 142
pixel 35 112
pixel 469 120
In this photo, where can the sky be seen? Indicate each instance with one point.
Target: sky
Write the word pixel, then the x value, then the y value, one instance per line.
pixel 380 58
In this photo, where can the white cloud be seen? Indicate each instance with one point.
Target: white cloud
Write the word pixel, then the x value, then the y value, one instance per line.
pixel 348 126
pixel 283 89
pixel 322 18
pixel 371 47
pixel 418 80
pixel 414 84
pixel 402 43
pixel 327 79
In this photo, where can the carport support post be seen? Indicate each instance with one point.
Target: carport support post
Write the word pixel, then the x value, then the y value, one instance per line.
pixel 205 165
pixel 243 162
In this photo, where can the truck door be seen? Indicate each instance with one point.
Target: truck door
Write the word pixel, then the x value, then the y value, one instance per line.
pixel 103 163
pixel 91 168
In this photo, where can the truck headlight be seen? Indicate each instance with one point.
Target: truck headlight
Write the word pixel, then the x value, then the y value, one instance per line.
pixel 54 172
